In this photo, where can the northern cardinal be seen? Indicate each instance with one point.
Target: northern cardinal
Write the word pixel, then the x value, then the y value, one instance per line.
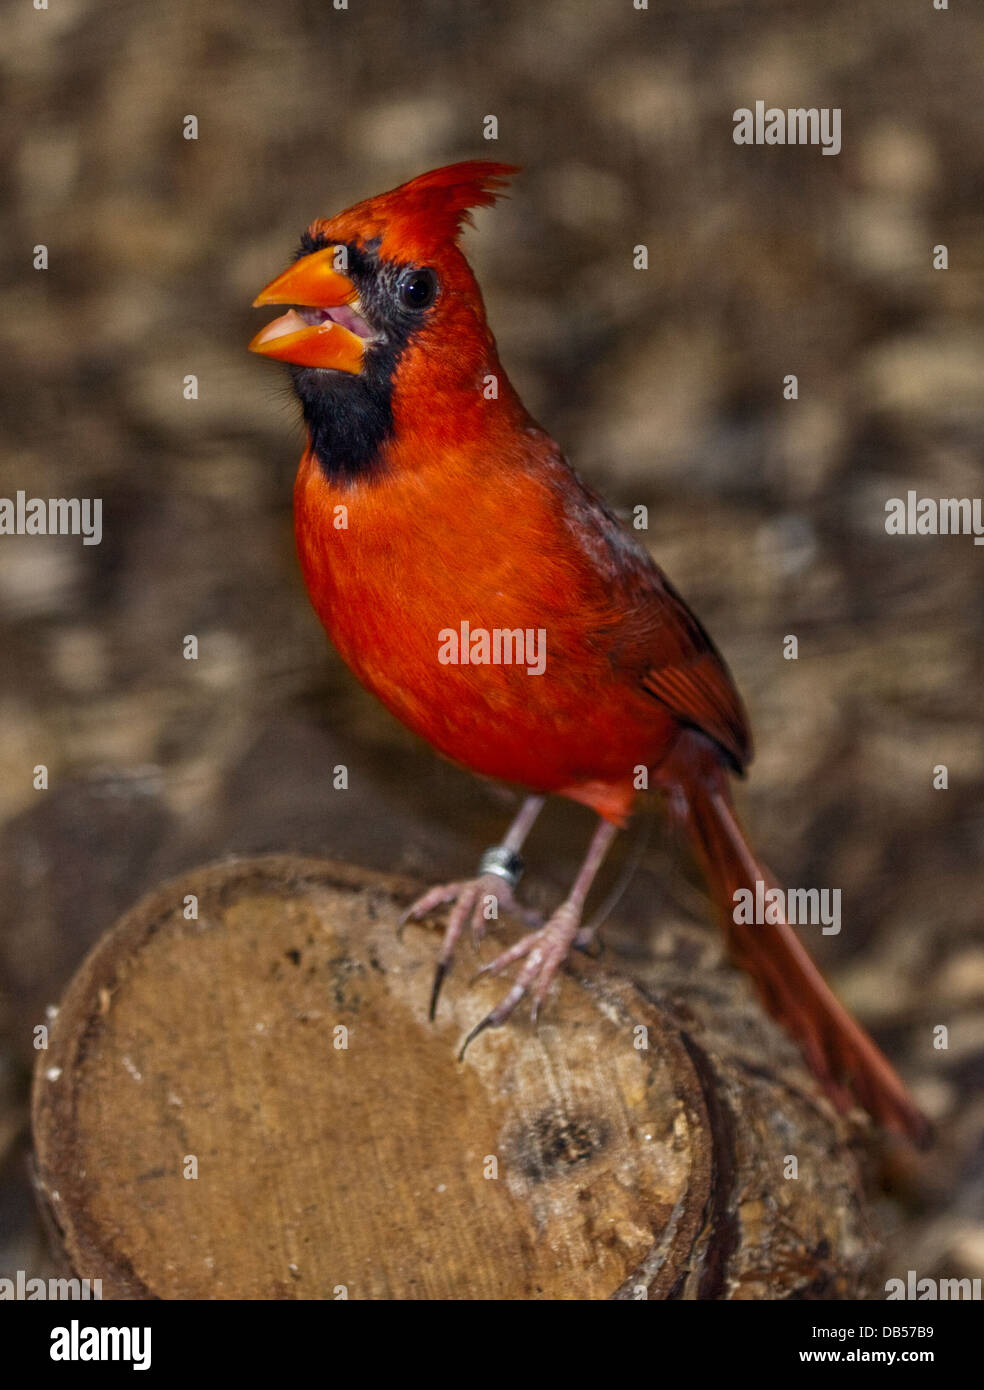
pixel 496 606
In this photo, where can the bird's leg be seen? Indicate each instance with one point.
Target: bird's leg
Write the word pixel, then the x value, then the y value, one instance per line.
pixel 547 948
pixel 499 871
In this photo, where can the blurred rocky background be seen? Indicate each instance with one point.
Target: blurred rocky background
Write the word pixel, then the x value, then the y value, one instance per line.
pixel 664 386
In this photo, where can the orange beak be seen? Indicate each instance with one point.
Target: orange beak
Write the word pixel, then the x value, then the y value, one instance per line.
pixel 331 334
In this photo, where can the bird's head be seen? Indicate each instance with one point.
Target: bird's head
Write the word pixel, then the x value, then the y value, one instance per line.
pixel 383 305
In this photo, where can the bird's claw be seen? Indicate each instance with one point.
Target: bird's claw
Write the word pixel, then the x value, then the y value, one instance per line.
pixel 477 901
pixel 545 951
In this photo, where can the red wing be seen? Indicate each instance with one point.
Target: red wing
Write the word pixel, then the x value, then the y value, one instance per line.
pixel 703 695
pixel 672 657
pixel 653 636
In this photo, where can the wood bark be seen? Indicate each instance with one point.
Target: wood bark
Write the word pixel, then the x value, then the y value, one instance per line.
pixel 252 1103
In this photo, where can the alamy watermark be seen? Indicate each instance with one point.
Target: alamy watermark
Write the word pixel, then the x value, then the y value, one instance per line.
pixel 912 1287
pixel 800 907
pixel 21 515
pixel 794 125
pixel 82 1343
pixel 935 516
pixel 28 1289
pixel 497 646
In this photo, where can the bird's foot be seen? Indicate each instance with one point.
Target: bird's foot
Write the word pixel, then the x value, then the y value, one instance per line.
pixel 545 950
pixel 477 902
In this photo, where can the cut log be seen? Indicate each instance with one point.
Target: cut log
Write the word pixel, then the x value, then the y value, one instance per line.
pixel 250 1102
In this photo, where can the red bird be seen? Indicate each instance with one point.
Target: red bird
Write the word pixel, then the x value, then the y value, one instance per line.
pixel 496 606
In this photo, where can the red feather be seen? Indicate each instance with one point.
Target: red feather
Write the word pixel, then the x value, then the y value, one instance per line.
pixel 419 219
pixel 470 513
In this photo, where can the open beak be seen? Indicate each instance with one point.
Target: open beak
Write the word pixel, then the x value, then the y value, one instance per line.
pixel 326 329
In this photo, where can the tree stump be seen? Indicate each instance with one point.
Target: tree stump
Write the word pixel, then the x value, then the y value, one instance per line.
pixel 253 1104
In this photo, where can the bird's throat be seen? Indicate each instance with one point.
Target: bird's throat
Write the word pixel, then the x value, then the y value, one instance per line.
pixel 349 418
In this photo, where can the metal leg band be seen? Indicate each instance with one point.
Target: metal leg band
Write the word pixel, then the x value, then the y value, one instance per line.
pixel 504 863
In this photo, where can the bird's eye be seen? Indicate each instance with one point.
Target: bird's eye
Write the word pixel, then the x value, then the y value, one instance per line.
pixel 417 288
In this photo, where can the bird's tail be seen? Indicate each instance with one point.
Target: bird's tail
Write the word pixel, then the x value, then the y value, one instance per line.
pixel 840 1053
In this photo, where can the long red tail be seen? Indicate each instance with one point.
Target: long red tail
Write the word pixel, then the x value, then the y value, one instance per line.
pixel 840 1053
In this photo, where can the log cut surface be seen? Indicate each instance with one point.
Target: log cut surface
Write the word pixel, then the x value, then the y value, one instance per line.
pixel 253 1104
